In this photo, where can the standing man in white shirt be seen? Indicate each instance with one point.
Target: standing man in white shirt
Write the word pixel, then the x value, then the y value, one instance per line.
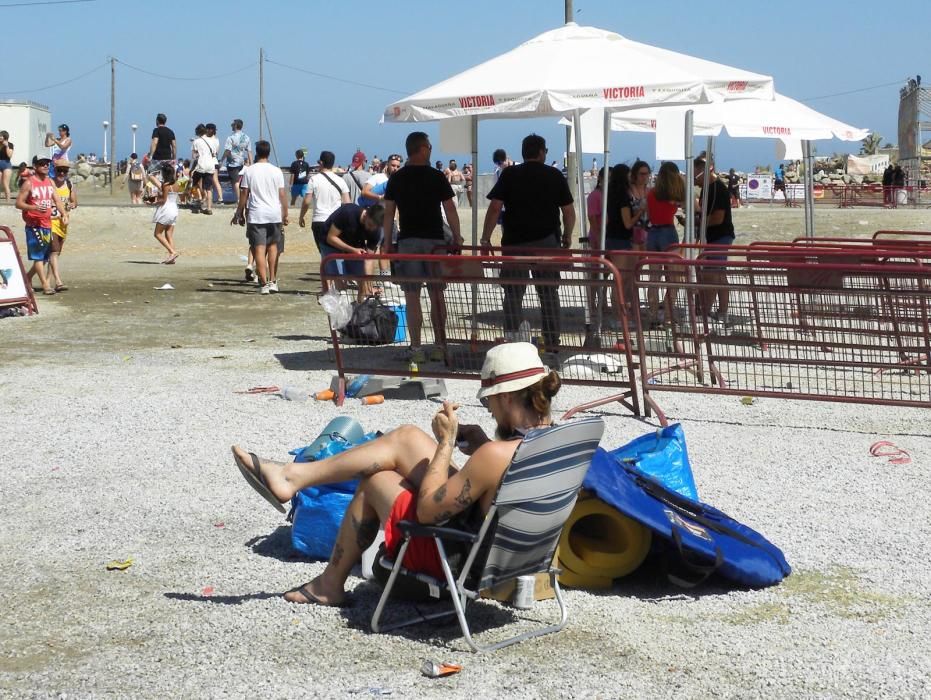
pixel 205 151
pixel 263 210
pixel 328 191
pixel 237 152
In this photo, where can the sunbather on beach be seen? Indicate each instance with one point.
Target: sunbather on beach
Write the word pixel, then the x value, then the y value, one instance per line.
pixel 408 475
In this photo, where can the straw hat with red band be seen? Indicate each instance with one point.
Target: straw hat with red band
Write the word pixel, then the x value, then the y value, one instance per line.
pixel 511 367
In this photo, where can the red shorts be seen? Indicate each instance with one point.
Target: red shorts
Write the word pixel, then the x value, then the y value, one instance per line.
pixel 421 556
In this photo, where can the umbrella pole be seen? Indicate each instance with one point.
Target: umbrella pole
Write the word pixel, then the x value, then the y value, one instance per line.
pixel 689 181
pixel 582 209
pixel 604 186
pixel 809 190
pixel 706 189
pixel 475 181
pixel 580 178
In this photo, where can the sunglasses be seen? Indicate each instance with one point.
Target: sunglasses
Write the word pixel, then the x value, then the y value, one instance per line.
pixel 64 171
pixel 484 401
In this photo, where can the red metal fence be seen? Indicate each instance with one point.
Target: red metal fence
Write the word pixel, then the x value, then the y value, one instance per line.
pixel 840 331
pixel 571 307
pixel 828 319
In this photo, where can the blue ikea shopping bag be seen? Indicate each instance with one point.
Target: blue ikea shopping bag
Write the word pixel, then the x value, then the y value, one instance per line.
pixel 663 456
pixel 317 511
pixel 697 537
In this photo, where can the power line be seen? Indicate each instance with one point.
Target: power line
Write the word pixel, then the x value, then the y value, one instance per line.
pixel 852 92
pixel 45 2
pixel 55 85
pixel 337 79
pixel 177 77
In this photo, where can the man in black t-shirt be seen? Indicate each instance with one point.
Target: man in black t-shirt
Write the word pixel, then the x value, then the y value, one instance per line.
pixel 300 174
pixel 354 229
pixel 719 231
pixel 421 194
pixel 532 195
pixel 163 147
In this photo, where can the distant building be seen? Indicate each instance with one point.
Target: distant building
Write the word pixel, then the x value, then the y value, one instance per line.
pixel 27 123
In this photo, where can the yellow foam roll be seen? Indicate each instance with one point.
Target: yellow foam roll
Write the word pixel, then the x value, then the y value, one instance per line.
pixel 570 578
pixel 598 541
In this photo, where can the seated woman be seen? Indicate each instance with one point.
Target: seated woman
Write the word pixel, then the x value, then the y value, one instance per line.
pixel 355 229
pixel 408 475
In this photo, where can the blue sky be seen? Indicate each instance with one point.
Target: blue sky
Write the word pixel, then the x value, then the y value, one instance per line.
pixel 812 49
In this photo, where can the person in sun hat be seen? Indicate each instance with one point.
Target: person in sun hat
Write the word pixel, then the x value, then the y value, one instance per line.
pixel 66 193
pixel 408 475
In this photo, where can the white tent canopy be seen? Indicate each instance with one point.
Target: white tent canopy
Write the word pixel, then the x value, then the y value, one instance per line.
pixel 578 68
pixel 570 70
pixel 783 118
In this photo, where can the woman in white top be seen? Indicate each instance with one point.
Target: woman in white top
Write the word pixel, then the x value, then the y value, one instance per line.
pixel 167 213
pixel 61 147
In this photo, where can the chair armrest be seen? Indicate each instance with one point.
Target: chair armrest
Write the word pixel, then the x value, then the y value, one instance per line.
pixel 412 529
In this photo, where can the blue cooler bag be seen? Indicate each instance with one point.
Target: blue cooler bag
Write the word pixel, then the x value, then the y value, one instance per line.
pixel 317 511
pixel 699 538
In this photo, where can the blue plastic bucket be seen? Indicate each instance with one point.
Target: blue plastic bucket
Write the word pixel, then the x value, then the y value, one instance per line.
pixel 400 334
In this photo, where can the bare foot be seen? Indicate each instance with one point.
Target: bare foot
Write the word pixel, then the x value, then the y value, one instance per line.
pixel 313 593
pixel 272 472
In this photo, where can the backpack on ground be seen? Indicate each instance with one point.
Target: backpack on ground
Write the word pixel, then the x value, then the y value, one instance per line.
pixel 372 323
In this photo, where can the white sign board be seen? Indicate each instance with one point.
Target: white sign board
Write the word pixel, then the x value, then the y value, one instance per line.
pixel 759 187
pixel 12 284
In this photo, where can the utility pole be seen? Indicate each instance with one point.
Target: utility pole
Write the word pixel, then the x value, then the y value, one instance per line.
pixel 112 122
pixel 570 159
pixel 261 89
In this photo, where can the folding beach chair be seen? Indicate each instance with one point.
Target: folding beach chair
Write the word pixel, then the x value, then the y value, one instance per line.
pixel 518 535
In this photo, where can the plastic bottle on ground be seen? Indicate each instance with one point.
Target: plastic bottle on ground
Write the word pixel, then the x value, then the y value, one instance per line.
pixel 372 400
pixel 356 385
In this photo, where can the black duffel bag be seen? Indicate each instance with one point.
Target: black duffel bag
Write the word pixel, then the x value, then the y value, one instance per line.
pixel 372 323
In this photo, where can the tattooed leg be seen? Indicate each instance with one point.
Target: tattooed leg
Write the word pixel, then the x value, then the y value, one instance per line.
pixel 406 451
pixel 368 508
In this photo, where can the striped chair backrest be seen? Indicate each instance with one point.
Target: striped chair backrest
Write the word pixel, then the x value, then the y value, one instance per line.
pixel 536 496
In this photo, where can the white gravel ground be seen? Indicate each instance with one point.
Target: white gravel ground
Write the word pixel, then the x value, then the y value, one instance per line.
pixel 115 445
pixel 128 456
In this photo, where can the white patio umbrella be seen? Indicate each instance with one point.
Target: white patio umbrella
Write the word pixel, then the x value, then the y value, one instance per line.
pixel 783 118
pixel 571 69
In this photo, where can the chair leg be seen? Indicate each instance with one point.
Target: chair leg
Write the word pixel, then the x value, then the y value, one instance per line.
pixel 386 594
pixel 376 625
pixel 563 619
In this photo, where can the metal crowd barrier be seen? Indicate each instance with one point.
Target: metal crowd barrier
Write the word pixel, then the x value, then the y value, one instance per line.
pixel 876 195
pixel 890 236
pixel 570 306
pixel 844 331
